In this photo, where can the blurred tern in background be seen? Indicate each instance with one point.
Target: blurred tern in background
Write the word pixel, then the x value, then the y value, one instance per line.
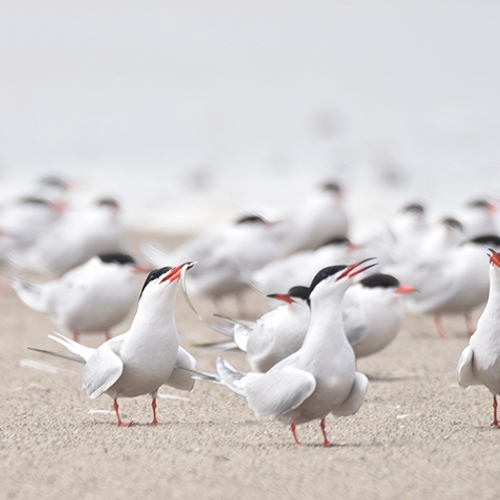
pixel 91 298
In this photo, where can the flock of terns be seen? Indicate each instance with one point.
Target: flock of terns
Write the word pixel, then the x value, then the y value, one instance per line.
pixel 339 300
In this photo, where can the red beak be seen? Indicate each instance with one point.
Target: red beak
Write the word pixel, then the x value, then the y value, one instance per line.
pixel 494 257
pixel 353 270
pixel 402 289
pixel 173 275
pixel 281 296
pixel 139 268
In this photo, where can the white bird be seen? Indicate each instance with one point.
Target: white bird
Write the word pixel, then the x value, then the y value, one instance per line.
pixel 478 218
pixel 276 334
pixel 373 313
pixel 453 282
pixel 406 231
pixel 225 257
pixel 74 239
pixel 298 269
pixel 24 221
pixel 317 219
pixel 479 363
pixel 146 357
pixel 93 297
pixel 320 378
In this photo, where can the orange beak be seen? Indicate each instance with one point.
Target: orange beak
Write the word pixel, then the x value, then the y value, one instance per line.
pixel 494 257
pixel 402 289
pixel 353 270
pixel 281 296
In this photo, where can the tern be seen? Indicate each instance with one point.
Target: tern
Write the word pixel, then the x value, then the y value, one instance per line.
pixel 298 269
pixel 479 363
pixel 146 357
pixel 93 297
pixel 24 221
pixel 451 282
pixel 320 378
pixel 478 217
pixel 373 313
pixel 75 239
pixel 319 218
pixel 275 335
pixel 224 256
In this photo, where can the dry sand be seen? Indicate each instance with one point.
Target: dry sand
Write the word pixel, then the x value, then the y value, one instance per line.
pixel 418 435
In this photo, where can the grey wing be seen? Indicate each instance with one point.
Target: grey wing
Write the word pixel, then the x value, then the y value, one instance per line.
pixel 356 397
pixel 465 376
pixel 102 370
pixel 182 379
pixel 278 391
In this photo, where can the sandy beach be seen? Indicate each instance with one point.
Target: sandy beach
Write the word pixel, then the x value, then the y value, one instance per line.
pixel 418 434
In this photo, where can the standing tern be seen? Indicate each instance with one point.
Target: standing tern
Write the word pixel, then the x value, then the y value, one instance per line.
pixel 451 282
pixel 320 378
pixel 74 239
pixel 146 357
pixel 479 363
pixel 373 313
pixel 93 297
pixel 319 218
pixel 225 257
pixel 478 217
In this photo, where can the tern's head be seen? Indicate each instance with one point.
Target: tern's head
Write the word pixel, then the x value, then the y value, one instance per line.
pixel 481 205
pixel 124 261
pixel 336 279
pixel 380 281
pixel 294 295
pixel 163 281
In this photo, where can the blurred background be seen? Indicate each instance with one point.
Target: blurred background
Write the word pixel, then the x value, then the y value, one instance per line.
pixel 190 111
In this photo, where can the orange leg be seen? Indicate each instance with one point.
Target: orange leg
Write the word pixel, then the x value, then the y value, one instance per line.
pixel 323 430
pixel 120 423
pixel 76 336
pixel 153 405
pixel 292 427
pixel 495 419
pixel 439 327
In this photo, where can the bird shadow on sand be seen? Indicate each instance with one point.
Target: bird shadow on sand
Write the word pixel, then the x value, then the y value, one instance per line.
pixel 385 377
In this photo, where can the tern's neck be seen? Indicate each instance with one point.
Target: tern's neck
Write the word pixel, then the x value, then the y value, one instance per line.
pixel 326 329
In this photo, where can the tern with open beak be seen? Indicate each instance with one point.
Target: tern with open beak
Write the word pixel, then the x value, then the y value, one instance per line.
pixel 146 357
pixel 320 378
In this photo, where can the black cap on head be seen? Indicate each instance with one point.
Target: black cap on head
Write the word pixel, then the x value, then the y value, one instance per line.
pixel 34 200
pixel 487 239
pixel 107 202
pixel 331 186
pixel 414 207
pixel 452 222
pixel 117 258
pixel 338 240
pixel 299 292
pixel 250 219
pixel 380 280
pixel 53 180
pixel 154 275
pixel 325 273
pixel 478 203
